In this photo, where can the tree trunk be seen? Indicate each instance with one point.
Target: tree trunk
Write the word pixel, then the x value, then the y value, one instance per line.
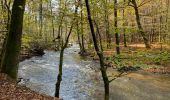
pixel 61 16
pixel 52 19
pixel 99 53
pixel 59 78
pixel 107 29
pixel 12 46
pixel 124 30
pixel 78 35
pixel 83 44
pixel 7 5
pixel 40 18
pixel 167 17
pixel 100 38
pixel 116 28
pixel 82 32
pixel 141 31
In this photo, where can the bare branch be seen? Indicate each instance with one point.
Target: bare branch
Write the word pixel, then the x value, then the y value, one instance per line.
pixel 144 2
pixel 116 76
pixel 130 3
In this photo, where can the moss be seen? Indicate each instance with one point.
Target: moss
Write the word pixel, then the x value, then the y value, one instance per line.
pixel 10 58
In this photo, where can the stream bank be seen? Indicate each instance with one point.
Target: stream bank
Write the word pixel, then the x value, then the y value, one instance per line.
pixel 9 90
pixel 82 79
pixel 151 61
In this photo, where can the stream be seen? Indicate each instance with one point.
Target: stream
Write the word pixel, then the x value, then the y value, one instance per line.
pixel 82 79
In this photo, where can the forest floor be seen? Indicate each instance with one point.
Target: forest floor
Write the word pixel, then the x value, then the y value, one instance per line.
pixel 9 90
pixel 137 57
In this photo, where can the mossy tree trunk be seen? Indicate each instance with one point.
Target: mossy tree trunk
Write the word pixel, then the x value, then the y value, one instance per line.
pixel 12 46
pixel 5 8
pixel 140 28
pixel 59 77
pixel 99 53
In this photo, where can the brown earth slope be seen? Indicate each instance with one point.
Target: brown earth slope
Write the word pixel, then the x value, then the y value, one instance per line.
pixel 9 90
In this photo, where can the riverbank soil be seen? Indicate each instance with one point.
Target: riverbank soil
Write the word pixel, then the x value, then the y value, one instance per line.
pixel 9 90
pixel 137 57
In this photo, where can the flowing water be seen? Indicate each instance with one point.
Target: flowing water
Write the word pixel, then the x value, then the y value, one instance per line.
pixel 82 79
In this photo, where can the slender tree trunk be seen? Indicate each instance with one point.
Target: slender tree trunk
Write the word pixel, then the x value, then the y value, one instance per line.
pixel 153 28
pixel 61 16
pixel 107 24
pixel 40 17
pixel 116 28
pixel 160 29
pixel 167 13
pixel 59 78
pixel 160 22
pixel 141 31
pixel 83 44
pixel 78 35
pixel 7 4
pixel 82 32
pixel 99 53
pixel 10 60
pixel 124 30
pixel 52 19
pixel 100 38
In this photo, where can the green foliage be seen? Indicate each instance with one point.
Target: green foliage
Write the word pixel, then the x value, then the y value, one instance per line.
pixel 32 42
pixel 26 41
pixel 117 61
pixel 142 59
pixel 161 58
pixel 38 44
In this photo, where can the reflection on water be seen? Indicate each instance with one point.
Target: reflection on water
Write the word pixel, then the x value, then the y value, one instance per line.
pixel 82 79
